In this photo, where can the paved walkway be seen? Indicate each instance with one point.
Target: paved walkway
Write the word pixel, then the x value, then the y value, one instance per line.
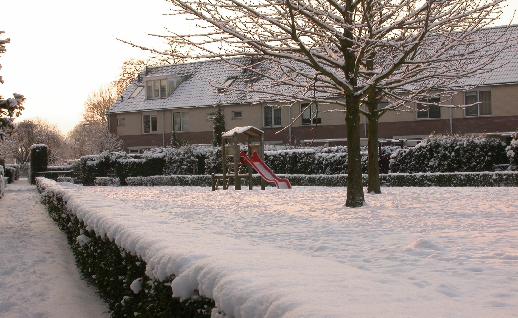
pixel 38 276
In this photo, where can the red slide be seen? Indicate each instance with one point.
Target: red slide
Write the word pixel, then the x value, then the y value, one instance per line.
pixel 266 173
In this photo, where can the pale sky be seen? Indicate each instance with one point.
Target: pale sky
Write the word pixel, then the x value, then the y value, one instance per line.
pixel 63 50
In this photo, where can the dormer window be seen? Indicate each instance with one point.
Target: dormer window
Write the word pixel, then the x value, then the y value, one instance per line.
pixel 156 89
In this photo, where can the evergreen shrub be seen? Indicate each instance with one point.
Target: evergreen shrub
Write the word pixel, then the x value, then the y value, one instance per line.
pixel 450 154
pixel 39 160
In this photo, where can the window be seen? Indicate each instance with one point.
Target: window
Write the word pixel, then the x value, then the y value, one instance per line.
pixel 272 116
pixel 427 111
pixel 178 121
pixel 120 122
pixel 237 115
pixel 150 123
pixel 310 114
pixel 226 85
pixel 482 101
pixel 156 89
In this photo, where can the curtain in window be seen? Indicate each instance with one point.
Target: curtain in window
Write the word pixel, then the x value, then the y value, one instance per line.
pixel 485 102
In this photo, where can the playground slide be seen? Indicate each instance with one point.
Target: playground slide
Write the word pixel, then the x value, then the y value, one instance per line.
pixel 266 173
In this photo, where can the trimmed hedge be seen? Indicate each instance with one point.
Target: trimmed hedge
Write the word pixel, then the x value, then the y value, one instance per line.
pixel 461 179
pixel 39 160
pixel 512 152
pixel 450 154
pixel 119 276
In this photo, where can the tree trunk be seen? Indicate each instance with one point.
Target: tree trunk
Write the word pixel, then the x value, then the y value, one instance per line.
pixel 355 196
pixel 373 185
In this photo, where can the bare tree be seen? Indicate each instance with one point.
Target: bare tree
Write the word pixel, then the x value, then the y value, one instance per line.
pixel 88 138
pixel 28 132
pixel 10 108
pixel 91 135
pixel 344 51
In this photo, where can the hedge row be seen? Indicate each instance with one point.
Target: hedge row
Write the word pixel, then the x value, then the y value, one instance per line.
pixel 119 276
pixel 12 173
pixel 451 154
pixel 475 179
pixel 207 160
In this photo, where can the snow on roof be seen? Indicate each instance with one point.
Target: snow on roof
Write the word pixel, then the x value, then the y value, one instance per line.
pixel 242 130
pixel 205 83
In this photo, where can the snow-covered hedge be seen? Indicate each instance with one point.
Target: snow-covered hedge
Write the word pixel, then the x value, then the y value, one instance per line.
pixel 120 276
pixel 450 154
pixel 12 173
pixel 461 179
pixel 65 179
pixel 512 152
pixel 107 181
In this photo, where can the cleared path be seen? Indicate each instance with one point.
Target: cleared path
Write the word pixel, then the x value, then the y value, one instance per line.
pixel 38 275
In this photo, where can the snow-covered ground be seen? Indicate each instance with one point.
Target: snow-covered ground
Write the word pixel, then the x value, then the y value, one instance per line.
pixel 38 276
pixel 411 252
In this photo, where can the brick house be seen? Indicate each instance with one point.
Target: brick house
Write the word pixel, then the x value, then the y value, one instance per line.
pixel 183 97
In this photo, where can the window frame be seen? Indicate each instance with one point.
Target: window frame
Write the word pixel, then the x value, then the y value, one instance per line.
pixel 150 120
pixel 157 89
pixel 479 103
pixel 273 110
pixel 182 121
pixel 313 112
pixel 234 112
pixel 121 121
pixel 428 100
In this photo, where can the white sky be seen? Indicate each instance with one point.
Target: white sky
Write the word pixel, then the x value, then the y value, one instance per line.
pixel 61 50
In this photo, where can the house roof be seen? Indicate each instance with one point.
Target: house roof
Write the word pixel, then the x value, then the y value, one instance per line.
pixel 201 80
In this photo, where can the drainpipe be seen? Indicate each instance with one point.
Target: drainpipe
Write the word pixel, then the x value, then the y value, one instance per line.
pixel 289 127
pixel 451 121
pixel 163 128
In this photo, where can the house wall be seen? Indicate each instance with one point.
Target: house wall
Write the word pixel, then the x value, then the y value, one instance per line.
pixel 198 126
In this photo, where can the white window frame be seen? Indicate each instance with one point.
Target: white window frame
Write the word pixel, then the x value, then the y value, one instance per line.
pixel 182 121
pixel 151 130
pixel 273 109
pixel 156 88
pixel 121 122
pixel 428 100
pixel 479 103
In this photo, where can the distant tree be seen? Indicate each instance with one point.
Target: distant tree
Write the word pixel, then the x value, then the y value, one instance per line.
pixel 89 138
pixel 28 132
pixel 10 108
pixel 91 135
pixel 218 124
pixel 98 104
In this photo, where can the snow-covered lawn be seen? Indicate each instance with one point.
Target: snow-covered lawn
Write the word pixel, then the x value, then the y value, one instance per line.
pixel 38 276
pixel 411 252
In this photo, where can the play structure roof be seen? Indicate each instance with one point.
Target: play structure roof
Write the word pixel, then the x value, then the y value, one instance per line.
pixel 249 131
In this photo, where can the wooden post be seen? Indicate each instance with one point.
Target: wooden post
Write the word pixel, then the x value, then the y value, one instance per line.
pixel 224 164
pixel 249 169
pixel 237 179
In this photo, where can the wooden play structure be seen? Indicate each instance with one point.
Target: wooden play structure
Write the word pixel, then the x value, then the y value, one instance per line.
pixel 237 165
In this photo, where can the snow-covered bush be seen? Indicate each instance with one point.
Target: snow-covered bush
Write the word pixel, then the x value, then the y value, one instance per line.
pixel 65 179
pixel 119 276
pixel 512 152
pixel 106 181
pixel 174 180
pixel 15 169
pixel 450 154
